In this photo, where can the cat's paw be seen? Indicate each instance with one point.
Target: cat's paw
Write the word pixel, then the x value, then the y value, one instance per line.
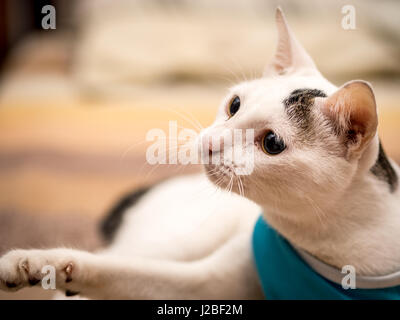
pixel 21 268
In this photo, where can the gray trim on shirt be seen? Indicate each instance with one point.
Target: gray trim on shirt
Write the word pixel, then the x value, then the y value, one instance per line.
pixel 335 275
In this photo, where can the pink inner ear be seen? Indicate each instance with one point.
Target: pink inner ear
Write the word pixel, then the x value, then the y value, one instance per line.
pixel 353 110
pixel 290 56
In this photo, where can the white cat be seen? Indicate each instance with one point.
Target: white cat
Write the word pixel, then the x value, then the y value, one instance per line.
pixel 320 179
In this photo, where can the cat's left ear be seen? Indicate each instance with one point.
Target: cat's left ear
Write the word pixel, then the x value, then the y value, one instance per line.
pixel 352 112
pixel 290 56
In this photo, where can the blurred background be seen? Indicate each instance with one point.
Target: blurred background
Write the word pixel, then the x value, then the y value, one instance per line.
pixel 76 102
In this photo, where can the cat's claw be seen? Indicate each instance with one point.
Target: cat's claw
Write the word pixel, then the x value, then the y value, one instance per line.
pixel 22 268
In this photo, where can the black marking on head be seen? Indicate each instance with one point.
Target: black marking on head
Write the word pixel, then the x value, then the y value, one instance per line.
pixel 384 170
pixel 110 225
pixel 298 106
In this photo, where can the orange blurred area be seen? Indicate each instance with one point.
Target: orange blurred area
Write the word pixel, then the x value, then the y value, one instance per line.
pixel 77 159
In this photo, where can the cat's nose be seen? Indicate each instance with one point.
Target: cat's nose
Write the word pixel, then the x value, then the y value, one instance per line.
pixel 211 145
pixel 207 145
pixel 210 148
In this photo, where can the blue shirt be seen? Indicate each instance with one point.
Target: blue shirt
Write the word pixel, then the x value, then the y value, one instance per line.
pixel 285 275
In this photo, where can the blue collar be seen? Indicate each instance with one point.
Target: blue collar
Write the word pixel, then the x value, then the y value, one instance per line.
pixel 284 274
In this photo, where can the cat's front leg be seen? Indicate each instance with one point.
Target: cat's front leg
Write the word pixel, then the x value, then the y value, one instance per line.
pixel 226 273
pixel 22 268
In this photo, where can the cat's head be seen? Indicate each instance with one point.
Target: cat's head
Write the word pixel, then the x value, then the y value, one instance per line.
pixel 311 139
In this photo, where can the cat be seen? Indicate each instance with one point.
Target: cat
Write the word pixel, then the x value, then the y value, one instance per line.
pixel 321 179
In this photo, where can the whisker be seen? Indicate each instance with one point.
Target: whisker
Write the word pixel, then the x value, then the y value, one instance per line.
pixel 186 118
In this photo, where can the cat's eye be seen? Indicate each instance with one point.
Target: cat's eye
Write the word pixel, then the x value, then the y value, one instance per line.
pixel 234 106
pixel 272 144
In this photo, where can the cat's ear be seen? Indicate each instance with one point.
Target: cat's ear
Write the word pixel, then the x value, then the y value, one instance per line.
pixel 290 56
pixel 352 110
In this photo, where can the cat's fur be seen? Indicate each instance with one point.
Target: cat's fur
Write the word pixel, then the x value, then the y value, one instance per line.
pixel 332 192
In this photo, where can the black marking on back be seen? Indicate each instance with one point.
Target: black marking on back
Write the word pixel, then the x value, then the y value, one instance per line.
pixel 384 170
pixel 111 223
pixel 298 106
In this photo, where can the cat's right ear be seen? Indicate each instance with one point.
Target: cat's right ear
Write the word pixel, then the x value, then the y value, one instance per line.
pixel 352 112
pixel 290 56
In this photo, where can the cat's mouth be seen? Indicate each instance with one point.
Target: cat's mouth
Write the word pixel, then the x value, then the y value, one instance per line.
pixel 225 177
pixel 220 170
